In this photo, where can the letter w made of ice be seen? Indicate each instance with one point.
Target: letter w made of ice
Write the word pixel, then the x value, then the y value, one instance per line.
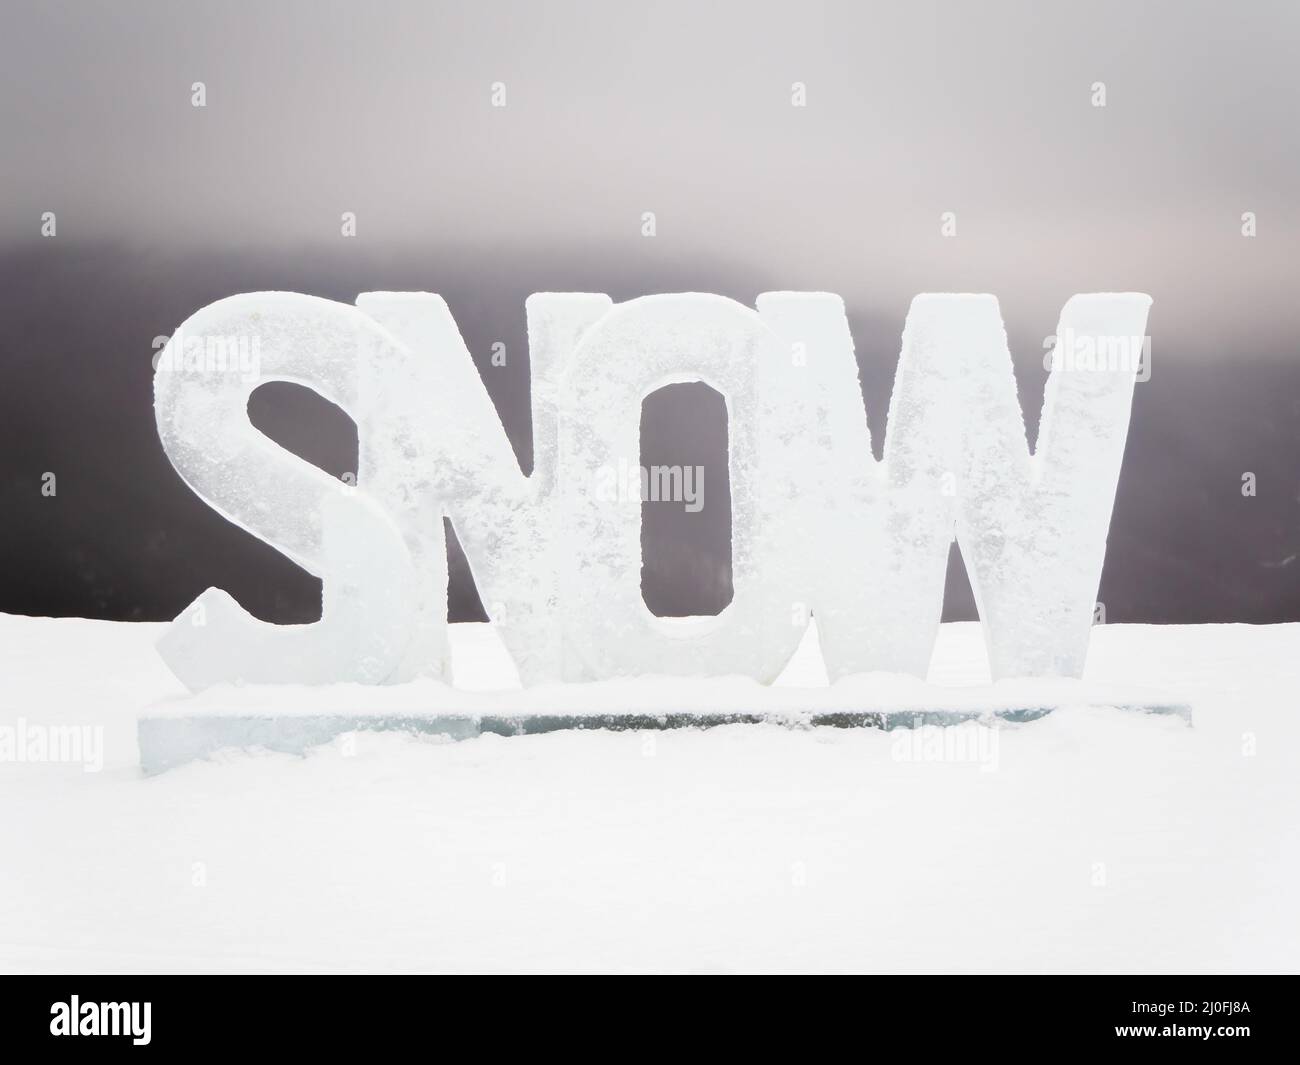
pixel 956 461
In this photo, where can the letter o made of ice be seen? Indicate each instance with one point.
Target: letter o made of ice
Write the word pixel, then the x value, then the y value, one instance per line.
pixel 633 350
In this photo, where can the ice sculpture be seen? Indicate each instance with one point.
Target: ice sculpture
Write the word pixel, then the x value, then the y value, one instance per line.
pixel 508 524
pixel 633 350
pixel 372 587
pixel 878 533
pixel 818 525
pixel 1032 531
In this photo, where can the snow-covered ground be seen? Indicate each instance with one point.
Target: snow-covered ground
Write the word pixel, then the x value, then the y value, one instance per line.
pixel 1091 840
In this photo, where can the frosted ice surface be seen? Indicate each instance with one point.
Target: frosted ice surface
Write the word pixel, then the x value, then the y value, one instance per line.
pixel 334 531
pixel 876 534
pixel 508 524
pixel 367 613
pixel 636 348
pixel 818 525
pixel 1033 530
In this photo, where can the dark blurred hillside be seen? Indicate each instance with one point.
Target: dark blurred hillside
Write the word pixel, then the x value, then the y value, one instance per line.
pixel 125 539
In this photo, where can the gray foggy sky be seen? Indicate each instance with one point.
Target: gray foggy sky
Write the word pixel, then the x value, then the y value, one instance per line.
pixel 684 109
pixel 613 109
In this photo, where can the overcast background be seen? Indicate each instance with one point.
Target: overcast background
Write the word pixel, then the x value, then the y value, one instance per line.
pixel 614 109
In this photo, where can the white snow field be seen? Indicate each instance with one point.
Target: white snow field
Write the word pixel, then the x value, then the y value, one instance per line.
pixel 1093 839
